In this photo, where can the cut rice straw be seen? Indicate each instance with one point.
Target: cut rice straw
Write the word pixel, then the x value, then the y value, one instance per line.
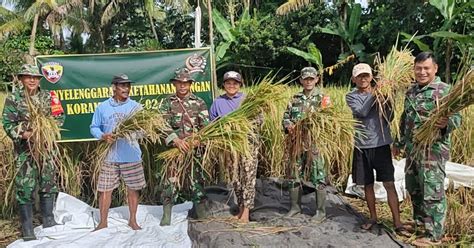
pixel 146 125
pixel 460 97
pixel 322 130
pixel 394 77
pixel 231 133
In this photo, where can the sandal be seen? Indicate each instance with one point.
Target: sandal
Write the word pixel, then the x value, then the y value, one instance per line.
pixel 402 231
pixel 424 242
pixel 368 225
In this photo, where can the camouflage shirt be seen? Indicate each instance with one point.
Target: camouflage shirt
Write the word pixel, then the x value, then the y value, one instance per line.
pixel 299 104
pixel 419 105
pixel 16 114
pixel 185 116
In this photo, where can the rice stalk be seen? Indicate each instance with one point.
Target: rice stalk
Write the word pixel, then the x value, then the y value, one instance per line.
pixel 45 134
pixel 460 97
pixel 149 125
pixel 229 134
pixel 462 139
pixel 460 215
pixel 322 129
pixel 394 77
pixel 272 138
pixel 341 168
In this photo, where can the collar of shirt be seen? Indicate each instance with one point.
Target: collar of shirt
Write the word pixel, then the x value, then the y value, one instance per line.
pixel 433 85
pixel 115 103
pixel 22 92
pixel 189 96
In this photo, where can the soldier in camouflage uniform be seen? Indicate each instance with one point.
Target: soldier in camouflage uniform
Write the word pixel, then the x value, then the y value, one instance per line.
pixel 425 169
pixel 18 127
pixel 309 99
pixel 186 114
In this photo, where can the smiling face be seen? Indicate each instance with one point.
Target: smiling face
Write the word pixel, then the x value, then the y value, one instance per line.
pixel 362 81
pixel 231 87
pixel 121 91
pixel 182 88
pixel 31 83
pixel 309 83
pixel 425 71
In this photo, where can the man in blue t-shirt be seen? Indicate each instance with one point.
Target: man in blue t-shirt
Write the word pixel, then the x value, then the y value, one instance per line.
pixel 124 158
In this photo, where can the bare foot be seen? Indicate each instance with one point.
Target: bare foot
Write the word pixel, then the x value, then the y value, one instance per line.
pixel 100 226
pixel 241 209
pixel 244 217
pixel 134 226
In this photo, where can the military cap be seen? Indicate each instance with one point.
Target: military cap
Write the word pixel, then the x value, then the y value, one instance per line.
pixel 182 75
pixel 29 70
pixel 309 72
pixel 121 79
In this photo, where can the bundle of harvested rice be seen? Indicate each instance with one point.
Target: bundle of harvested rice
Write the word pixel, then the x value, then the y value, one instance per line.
pixel 394 77
pixel 322 129
pixel 45 134
pixel 460 97
pixel 231 133
pixel 148 125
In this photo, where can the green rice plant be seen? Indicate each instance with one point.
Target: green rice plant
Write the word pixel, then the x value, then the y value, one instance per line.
pixel 462 139
pixel 460 215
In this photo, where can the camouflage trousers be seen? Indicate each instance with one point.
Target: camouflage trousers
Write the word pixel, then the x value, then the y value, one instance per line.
pixel 424 179
pixel 29 176
pixel 197 178
pixel 309 163
pixel 243 172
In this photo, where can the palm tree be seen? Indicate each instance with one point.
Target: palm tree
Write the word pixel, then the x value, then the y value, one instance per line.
pixel 37 9
pixel 11 22
pixel 291 6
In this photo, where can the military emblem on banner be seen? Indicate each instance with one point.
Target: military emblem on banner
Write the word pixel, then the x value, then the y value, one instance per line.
pixel 196 63
pixel 52 71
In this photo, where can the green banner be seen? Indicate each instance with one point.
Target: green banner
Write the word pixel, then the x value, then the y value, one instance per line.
pixel 81 82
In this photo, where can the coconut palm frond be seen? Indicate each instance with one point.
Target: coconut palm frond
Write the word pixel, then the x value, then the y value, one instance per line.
pixel 291 6
pixel 13 26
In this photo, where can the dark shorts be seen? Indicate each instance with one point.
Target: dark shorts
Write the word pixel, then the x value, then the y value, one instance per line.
pixel 365 161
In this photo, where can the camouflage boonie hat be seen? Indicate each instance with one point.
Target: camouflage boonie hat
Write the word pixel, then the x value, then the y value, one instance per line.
pixel 121 79
pixel 29 70
pixel 182 75
pixel 309 72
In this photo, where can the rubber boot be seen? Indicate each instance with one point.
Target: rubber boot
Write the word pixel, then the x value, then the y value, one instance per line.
pixel 26 219
pixel 47 205
pixel 295 198
pixel 201 210
pixel 167 208
pixel 320 206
